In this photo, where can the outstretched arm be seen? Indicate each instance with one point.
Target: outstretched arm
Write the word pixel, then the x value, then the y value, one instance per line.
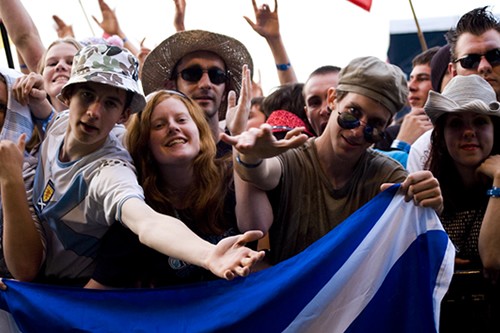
pixel 166 234
pixel 253 210
pixel 268 26
pixel 23 32
pixel 22 244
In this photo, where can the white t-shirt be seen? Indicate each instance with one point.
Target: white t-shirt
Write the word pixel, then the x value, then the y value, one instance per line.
pixel 419 152
pixel 76 202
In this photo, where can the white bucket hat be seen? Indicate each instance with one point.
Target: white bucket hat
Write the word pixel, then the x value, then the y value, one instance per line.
pixel 110 65
pixel 470 93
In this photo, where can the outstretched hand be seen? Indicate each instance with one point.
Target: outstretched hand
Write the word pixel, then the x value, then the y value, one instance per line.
pixel 232 258
pixel 261 143
pixel 423 188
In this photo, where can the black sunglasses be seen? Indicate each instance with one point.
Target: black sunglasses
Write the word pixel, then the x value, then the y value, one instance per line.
pixel 194 74
pixel 347 120
pixel 471 61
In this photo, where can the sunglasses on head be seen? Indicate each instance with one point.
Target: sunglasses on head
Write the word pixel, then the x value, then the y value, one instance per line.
pixel 194 74
pixel 471 61
pixel 348 121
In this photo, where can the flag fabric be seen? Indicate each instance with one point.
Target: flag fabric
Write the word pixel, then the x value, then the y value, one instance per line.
pixel 365 4
pixel 385 269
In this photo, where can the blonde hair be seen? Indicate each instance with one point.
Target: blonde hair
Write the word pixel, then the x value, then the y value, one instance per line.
pixel 65 40
pixel 212 177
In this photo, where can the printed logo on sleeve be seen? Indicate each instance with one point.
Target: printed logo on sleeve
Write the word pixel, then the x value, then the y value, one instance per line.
pixel 48 192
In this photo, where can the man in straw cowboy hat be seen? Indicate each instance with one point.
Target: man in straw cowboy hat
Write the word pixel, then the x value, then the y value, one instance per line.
pixel 205 66
pixel 85 181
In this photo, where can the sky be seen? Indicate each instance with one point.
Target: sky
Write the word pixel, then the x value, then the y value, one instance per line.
pixel 315 32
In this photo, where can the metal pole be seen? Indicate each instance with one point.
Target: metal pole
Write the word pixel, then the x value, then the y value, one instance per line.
pixel 87 18
pixel 421 38
pixel 6 45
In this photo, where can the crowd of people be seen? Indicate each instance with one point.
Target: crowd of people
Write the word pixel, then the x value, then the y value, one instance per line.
pixel 125 167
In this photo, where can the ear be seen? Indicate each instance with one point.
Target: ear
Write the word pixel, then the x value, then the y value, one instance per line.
pixel 124 116
pixel 63 99
pixel 331 97
pixel 170 85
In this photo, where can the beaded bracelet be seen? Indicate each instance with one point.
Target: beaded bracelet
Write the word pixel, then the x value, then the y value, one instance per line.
pixel 247 165
pixel 494 192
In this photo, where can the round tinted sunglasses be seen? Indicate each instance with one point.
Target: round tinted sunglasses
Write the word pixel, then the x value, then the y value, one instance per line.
pixel 471 61
pixel 194 73
pixel 347 120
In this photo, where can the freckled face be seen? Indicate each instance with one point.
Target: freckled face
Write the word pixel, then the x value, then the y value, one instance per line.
pixel 174 136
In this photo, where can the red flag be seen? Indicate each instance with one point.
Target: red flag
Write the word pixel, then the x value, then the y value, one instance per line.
pixel 365 4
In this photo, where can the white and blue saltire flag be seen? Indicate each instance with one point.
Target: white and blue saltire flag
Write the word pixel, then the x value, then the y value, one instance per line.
pixel 384 269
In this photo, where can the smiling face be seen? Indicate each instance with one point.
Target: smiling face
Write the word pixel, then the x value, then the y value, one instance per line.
pixel 469 138
pixel 349 144
pixel 174 136
pixel 57 67
pixel 315 92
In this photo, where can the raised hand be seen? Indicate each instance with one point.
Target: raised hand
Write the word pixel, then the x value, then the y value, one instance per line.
pixel 237 114
pixel 62 29
pixel 266 21
pixel 109 23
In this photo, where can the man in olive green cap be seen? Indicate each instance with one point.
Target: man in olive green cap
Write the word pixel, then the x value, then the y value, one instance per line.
pixel 317 185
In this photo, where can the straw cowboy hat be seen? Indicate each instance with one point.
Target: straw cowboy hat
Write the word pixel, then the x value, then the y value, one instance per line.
pixel 160 65
pixel 463 93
